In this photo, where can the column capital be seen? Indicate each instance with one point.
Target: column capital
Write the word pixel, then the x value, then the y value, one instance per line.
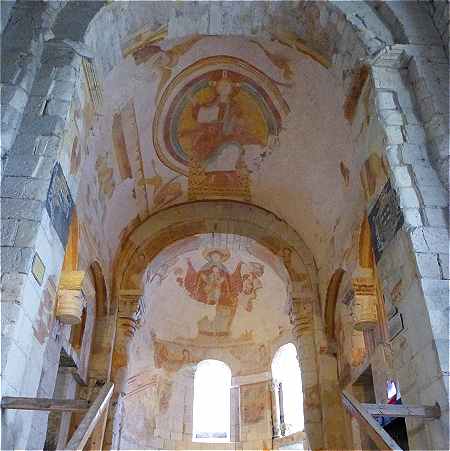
pixel 301 316
pixel 131 310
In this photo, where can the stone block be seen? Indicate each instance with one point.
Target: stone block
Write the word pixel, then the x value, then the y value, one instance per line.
pixel 36 189
pixel 443 261
pixel 428 265
pixel 427 359
pixel 32 376
pixel 11 286
pixel 22 209
pixel 436 294
pixel 393 156
pixel 65 74
pixel 8 137
pixel 394 135
pixel 415 134
pixel 425 175
pixel 43 169
pixel 439 323
pixel 63 90
pixel 9 231
pixel 19 99
pixel 11 118
pixel 412 153
pixel 26 233
pixel 43 125
pixel 16 364
pixel 16 259
pixel 386 100
pixel 13 186
pixel 21 165
pixel 436 239
pixel 412 217
pixel 434 196
pixel 392 117
pixel 402 177
pixel 408 198
pixel 57 107
pixel 31 298
pixel 11 315
pixel 22 332
pixel 437 217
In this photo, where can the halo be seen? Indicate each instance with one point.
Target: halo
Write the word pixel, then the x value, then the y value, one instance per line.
pixel 225 253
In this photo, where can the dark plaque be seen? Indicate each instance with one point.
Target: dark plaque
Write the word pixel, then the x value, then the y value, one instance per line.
pixel 385 219
pixel 59 204
pixel 395 325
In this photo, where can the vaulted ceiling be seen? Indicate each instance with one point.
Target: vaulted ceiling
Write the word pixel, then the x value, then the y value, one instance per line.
pixel 220 117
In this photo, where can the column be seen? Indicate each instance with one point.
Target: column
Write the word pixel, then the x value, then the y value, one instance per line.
pixel 129 316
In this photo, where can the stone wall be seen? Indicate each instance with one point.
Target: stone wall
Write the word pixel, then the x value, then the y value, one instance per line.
pixel 409 70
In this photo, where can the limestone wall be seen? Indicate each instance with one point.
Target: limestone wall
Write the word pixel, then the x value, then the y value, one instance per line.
pixel 397 130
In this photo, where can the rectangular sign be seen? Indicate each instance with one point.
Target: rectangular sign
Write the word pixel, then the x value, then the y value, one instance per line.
pixel 385 219
pixel 59 204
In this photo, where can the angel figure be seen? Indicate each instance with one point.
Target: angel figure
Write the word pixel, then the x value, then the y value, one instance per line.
pixel 165 60
pixel 164 192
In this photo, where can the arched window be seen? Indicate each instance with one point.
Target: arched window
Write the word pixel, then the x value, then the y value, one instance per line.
pixel 212 383
pixel 286 373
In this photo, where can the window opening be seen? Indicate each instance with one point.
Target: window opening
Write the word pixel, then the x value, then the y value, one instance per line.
pixel 286 372
pixel 212 384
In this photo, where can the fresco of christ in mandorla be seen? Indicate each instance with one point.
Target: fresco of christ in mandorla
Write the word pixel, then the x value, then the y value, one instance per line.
pixel 213 123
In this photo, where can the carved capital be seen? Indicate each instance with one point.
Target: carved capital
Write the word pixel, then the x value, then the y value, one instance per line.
pixel 71 297
pixel 131 311
pixel 365 301
pixel 301 316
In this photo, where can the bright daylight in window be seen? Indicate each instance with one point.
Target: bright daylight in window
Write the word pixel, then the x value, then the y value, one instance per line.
pixel 285 369
pixel 212 383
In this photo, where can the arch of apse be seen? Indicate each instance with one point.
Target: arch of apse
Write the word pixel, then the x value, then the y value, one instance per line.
pixel 146 240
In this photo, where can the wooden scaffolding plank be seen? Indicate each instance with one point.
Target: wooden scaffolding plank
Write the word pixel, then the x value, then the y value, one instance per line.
pixel 403 410
pixel 54 405
pixel 380 437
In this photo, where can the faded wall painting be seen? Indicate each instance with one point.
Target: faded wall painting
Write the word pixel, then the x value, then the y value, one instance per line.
pixel 213 121
pixel 221 285
pixel 352 352
pixel 254 402
pixel 214 284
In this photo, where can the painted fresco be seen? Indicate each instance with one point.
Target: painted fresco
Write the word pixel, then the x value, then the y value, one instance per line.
pixel 214 284
pixel 254 403
pixel 210 126
pixel 221 286
pixel 352 352
pixel 202 117
pixel 164 191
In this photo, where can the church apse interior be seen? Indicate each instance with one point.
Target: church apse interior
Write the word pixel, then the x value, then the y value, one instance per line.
pixel 225 225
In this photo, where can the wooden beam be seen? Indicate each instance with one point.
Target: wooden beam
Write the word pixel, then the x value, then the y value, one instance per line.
pixel 381 438
pixel 403 410
pixel 54 405
pixel 93 415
